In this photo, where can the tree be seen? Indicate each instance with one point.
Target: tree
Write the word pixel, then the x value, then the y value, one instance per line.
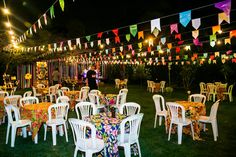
pixel 187 73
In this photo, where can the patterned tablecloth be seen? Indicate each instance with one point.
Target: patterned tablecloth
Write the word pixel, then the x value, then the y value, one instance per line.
pixel 1 108
pixel 108 129
pixel 73 95
pixel 37 113
pixel 192 111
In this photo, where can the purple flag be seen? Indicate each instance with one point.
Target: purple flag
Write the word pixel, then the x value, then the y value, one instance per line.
pixel 197 42
pixel 224 6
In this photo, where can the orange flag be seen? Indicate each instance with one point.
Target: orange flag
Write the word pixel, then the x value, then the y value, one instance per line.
pixel 232 33
pixel 140 35
pixel 216 29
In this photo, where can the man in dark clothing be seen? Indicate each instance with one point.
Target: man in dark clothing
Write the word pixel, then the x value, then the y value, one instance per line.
pixel 91 78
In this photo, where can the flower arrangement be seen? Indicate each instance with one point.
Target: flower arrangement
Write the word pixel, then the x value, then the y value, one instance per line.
pixel 28 76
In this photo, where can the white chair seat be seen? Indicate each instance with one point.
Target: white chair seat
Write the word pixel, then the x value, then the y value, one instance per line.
pixel 204 118
pixel 186 122
pixel 162 113
pixel 21 123
pixel 88 145
pixel 55 122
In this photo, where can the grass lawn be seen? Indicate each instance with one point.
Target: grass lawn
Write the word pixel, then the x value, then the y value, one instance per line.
pixel 153 142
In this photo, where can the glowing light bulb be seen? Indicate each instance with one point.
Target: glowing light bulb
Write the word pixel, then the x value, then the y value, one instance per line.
pixel 218 42
pixel 8 24
pixel 6 11
pixel 11 32
pixel 220 31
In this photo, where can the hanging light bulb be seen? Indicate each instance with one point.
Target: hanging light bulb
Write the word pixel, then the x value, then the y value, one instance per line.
pixel 6 11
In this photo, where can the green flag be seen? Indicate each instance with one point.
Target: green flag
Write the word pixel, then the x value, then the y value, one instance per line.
pixel 133 30
pixel 62 4
pixel 127 37
pixel 213 37
pixel 52 12
pixel 88 37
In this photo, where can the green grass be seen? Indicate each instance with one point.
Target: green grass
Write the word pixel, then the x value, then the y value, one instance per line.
pixel 153 142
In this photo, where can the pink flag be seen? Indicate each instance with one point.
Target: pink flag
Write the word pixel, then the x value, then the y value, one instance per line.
pixel 197 42
pixel 174 27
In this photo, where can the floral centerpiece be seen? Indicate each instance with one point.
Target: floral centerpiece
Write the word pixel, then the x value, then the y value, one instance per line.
pixel 28 76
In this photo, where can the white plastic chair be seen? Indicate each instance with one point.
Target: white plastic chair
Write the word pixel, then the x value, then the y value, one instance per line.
pixel 85 109
pixel 15 123
pixel 60 93
pixel 211 92
pixel 52 91
pixel 129 108
pixel 28 100
pixel 60 111
pixel 162 86
pixel 12 100
pixel 175 111
pixel 95 99
pixel 229 93
pixel 89 145
pixel 197 98
pixel 124 90
pixel 203 88
pixel 13 91
pixel 127 138
pixel 160 107
pixel 27 94
pixel 83 94
pixel 64 89
pixel 3 94
pixel 211 119
pixel 62 99
pixel 95 91
pixel 38 95
pixel 120 99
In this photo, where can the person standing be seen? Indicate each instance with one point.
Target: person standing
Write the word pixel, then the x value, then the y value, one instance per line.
pixel 91 78
pixel 55 76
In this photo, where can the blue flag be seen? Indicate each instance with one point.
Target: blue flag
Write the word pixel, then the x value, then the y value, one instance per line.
pixel 185 17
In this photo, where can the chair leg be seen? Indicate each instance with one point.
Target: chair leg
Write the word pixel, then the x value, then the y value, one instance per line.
pixel 214 130
pixel 155 122
pixel 8 131
pixel 169 131
pixel 24 131
pixel 160 119
pixel 13 136
pixel 45 132
pixel 180 129
pixel 127 150
pixel 139 150
pixel 75 152
pixel 65 129
pixel 192 130
pixel 54 135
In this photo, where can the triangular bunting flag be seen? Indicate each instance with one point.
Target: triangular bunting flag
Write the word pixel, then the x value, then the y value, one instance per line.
pixel 185 17
pixel 117 39
pixel 140 45
pixel 130 47
pixel 34 27
pixel 169 45
pixel 212 43
pixel 223 17
pixel 227 41
pixel 52 12
pixel 88 37
pixel 99 42
pixel 107 41
pixel 115 31
pixel 62 4
pixel 163 40
pixel 213 37
pixel 232 34
pixel 174 27
pixel 45 19
pixel 196 42
pixel 127 36
pixel 196 23
pixel 195 34
pixel 133 30
pixel 155 24
pixel 91 44
pixel 100 35
pixel 78 41
pixel 215 29
pixel 39 24
pixel 178 36
pixel 177 49
pixel 155 32
pixel 85 45
pixel 224 6
pixel 140 35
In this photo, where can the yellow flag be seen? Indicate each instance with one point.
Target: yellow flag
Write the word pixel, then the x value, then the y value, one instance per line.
pixel 227 41
pixel 222 17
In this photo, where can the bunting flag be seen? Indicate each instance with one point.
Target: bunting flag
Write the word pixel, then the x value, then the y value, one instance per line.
pixel 34 27
pixel 213 38
pixel 69 43
pixel 85 45
pixel 196 23
pixel 140 35
pixel 130 47
pixel 223 17
pixel 158 47
pixel 127 36
pixel 113 50
pixel 178 36
pixel 133 52
pixel 121 48
pixel 100 35
pixel 185 17
pixel 99 42
pixel 62 4
pixel 177 49
pixel 78 41
pixel 232 34
pixel 117 39
pixel 45 19
pixel 91 44
pixel 39 24
pixel 227 41
pixel 180 42
pixel 196 42
pixel 155 32
pixel 133 30
pixel 150 43
pixel 30 30
pixel 224 6
pixel 115 31
pixel 155 24
pixel 212 43
pixel 188 47
pixel 88 37
pixel 216 29
pixel 195 34
pixel 140 45
pixel 174 27
pixel 107 41
pixel 169 45
pixel 52 14
pixel 163 40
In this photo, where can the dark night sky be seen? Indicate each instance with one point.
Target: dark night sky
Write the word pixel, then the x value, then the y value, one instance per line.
pixel 96 16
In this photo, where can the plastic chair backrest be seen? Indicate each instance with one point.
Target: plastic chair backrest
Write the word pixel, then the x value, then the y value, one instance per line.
pixel 230 88
pixel 214 108
pixel 129 108
pixel 64 89
pixel 175 111
pixel 63 99
pixel 16 113
pixel 83 95
pixel 159 102
pixel 134 123
pixel 95 91
pixel 27 94
pixel 197 98
pixel 211 88
pixel 3 94
pixel 94 98
pixel 60 111
pixel 12 100
pixel 162 84
pixel 52 90
pixel 60 92
pixel 85 109
pixel 79 131
pixel 120 99
pixel 29 100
